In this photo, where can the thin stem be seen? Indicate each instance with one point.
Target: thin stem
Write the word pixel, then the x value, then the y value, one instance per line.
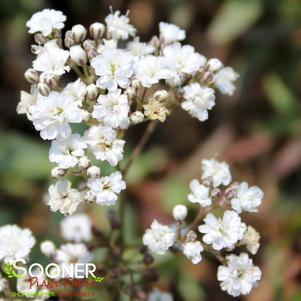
pixel 137 150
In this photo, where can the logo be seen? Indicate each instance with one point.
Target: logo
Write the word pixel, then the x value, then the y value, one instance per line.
pixel 10 272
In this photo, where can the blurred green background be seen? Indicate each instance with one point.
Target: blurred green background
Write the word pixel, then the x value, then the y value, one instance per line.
pixel 258 131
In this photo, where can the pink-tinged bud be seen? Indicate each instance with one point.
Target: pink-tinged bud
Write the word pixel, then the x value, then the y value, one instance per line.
pixel 32 76
pixel 96 30
pixel 79 33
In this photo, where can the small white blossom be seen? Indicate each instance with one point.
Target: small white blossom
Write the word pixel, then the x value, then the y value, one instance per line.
pixel 251 240
pixel 112 109
pixel 15 243
pixel 63 198
pixel 51 115
pixel 214 65
pixel 51 59
pixel 157 295
pixel 106 189
pixel 104 144
pixel 198 100
pixel 199 194
pixel 48 248
pixel 66 152
pixel 217 172
pixel 179 212
pixel 139 49
pixel 224 79
pixel 114 68
pixel 27 100
pixel 170 33
pixel 77 228
pixel 247 198
pixel 151 69
pixel 182 60
pixel 159 238
pixel 222 232
pixel 45 21
pixel 93 171
pixel 239 276
pixel 118 26
pixel 77 90
pixel 78 55
pixel 192 250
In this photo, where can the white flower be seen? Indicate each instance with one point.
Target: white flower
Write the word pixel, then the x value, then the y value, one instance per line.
pixel 222 232
pixel 78 55
pixel 217 172
pixel 179 212
pixel 15 243
pixel 198 100
pixel 199 194
pixel 114 68
pixel 104 144
pixel 77 227
pixel 27 100
pixel 170 33
pixel 112 109
pixel 151 69
pixel 182 60
pixel 106 189
pixel 118 26
pixel 52 114
pixel 239 276
pixel 247 198
pixel 251 240
pixel 224 79
pixel 192 250
pixel 45 21
pixel 157 295
pixel 159 238
pixel 139 49
pixel 66 152
pixel 48 248
pixel 77 90
pixel 51 59
pixel 63 198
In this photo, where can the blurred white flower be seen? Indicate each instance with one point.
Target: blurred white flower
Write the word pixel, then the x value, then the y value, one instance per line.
pixel 159 238
pixel 217 172
pixel 224 79
pixel 77 90
pixel 179 212
pixel 247 198
pixel 45 21
pixel 106 189
pixel 251 240
pixel 192 250
pixel 48 248
pixel 199 194
pixel 222 232
pixel 15 243
pixel 239 276
pixel 198 100
pixel 139 49
pixel 63 198
pixel 157 295
pixel 170 33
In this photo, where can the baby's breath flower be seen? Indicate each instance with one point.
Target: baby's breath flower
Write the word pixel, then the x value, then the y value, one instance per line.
pixel 170 33
pixel 155 110
pixel 224 79
pixel 251 240
pixel 192 250
pixel 199 194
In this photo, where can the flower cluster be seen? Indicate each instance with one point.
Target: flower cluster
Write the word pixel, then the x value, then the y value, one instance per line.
pixel 218 234
pixel 121 82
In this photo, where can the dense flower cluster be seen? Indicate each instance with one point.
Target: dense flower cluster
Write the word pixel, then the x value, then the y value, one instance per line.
pixel 219 234
pixel 119 84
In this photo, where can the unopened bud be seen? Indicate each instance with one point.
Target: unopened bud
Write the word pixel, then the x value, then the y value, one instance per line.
pixel 57 172
pixel 79 33
pixel 32 76
pixel 179 212
pixel 89 44
pixel 214 65
pixel 89 197
pixel 56 34
pixel 51 81
pixel 215 193
pixel 69 42
pixel 92 53
pixel 43 89
pixel 93 172
pixel 191 236
pixel 136 117
pixel 78 55
pixel 155 41
pixel 83 162
pixel 40 39
pixel 160 95
pixel 92 92
pixel 96 30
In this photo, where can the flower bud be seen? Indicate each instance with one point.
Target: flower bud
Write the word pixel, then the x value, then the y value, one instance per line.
pixel 155 41
pixel 89 44
pixel 79 33
pixel 83 162
pixel 91 92
pixel 93 172
pixel 214 65
pixel 32 76
pixel 69 42
pixel 40 39
pixel 136 117
pixel 78 55
pixel 51 81
pixel 179 212
pixel 160 95
pixel 48 248
pixel 89 197
pixel 43 89
pixel 57 172
pixel 92 53
pixel 96 30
